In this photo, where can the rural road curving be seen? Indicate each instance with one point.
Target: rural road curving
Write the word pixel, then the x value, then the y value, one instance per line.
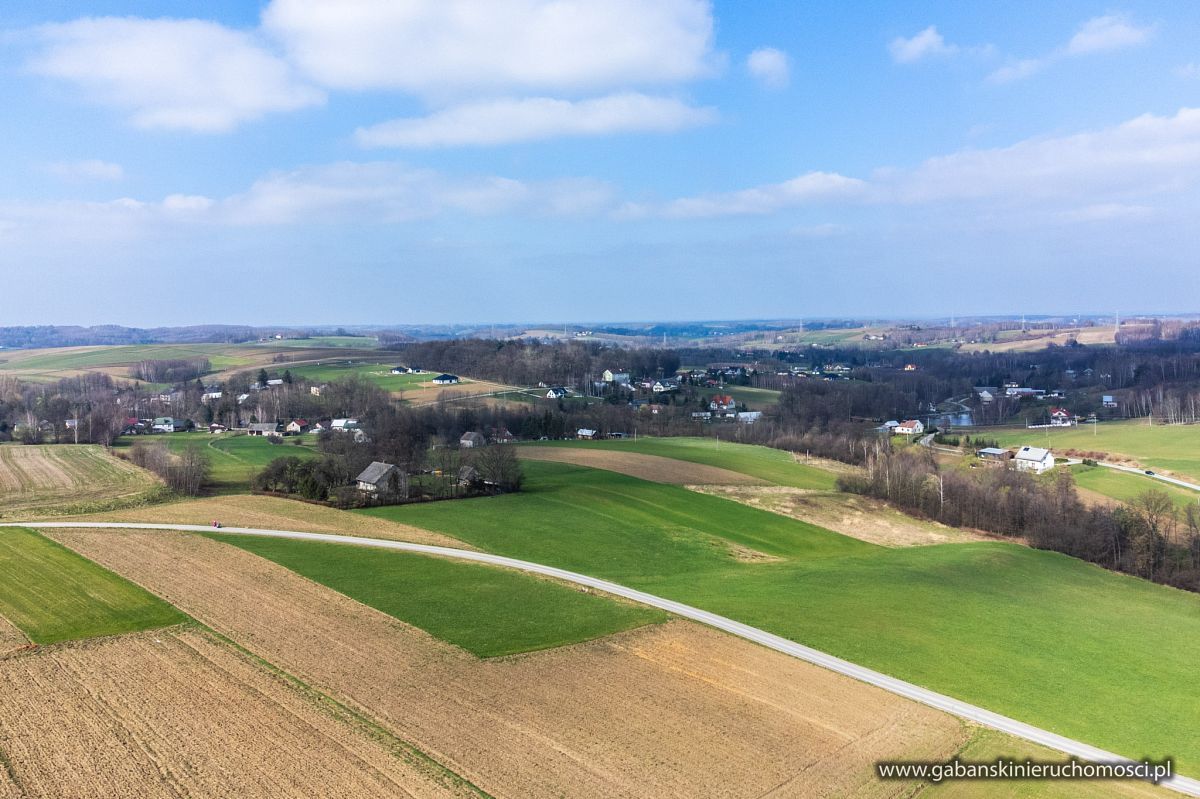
pixel 987 718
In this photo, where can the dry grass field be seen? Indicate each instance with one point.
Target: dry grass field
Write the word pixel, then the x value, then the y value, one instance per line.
pixel 671 710
pixel 849 514
pixel 36 480
pixel 274 513
pixel 645 467
pixel 181 713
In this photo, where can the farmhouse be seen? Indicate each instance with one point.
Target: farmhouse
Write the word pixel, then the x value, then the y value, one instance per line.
pixel 501 435
pixel 169 424
pixel 557 392
pixel 217 427
pixel 586 433
pixel 620 378
pixel 722 402
pixel 912 427
pixel 662 386
pixel 472 439
pixel 343 425
pixel 1061 417
pixel 445 380
pixel 1033 459
pixel 399 370
pixel 265 429
pixel 297 426
pixel 381 479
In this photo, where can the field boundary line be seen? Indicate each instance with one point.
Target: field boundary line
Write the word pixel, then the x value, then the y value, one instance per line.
pixel 956 707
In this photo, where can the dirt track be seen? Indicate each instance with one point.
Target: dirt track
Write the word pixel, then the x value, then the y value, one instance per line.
pixel 672 710
pixel 646 467
pixel 849 514
pixel 180 713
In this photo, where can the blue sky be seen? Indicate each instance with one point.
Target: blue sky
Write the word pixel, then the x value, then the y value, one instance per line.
pixel 376 161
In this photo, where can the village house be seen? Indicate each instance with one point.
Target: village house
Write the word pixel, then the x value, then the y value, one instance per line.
pixel 382 479
pixel 217 427
pixel 343 425
pixel 663 386
pixel 169 424
pixel 620 378
pixel 502 436
pixel 1109 401
pixel 749 417
pixel 993 454
pixel 722 403
pixel 317 391
pixel 472 439
pixel 557 392
pixel 1033 459
pixel 399 370
pixel 276 381
pixel 445 380
pixel 297 426
pixel 1061 417
pixel 586 433
pixel 912 427
pixel 265 429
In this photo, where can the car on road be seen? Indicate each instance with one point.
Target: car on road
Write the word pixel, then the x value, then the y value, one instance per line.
pixel 1149 472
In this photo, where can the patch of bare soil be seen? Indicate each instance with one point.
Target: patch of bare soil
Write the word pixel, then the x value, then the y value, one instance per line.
pixel 10 637
pixel 180 713
pixel 849 514
pixel 674 710
pixel 636 464
pixel 43 479
pixel 275 513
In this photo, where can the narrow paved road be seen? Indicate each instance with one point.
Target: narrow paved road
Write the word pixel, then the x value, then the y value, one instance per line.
pixel 987 718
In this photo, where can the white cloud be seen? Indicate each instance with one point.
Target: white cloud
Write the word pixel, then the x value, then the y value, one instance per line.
pixel 387 192
pixel 440 47
pixel 769 66
pixel 508 120
pixel 1188 71
pixel 1097 35
pixel 1018 70
pixel 1111 32
pixel 926 44
pixel 811 187
pixel 1108 173
pixel 89 169
pixel 171 74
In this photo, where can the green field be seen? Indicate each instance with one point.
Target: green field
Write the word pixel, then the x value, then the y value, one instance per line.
pixel 1127 487
pixel 350 342
pixel 756 399
pixel 235 458
pixel 377 373
pixel 52 594
pixel 1036 635
pixel 483 609
pixel 1169 447
pixel 772 465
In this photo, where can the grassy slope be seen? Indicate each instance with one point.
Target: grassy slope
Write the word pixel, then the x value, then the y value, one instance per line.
pixel 485 610
pixel 53 594
pixel 1036 635
pixel 235 458
pixel 774 465
pixel 1128 487
pixel 1173 447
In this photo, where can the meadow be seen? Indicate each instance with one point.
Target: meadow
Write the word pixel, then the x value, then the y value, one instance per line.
pixel 1168 447
pixel 1101 657
pixel 1126 487
pixel 756 399
pixel 235 458
pixel 773 465
pixel 487 611
pixel 52 594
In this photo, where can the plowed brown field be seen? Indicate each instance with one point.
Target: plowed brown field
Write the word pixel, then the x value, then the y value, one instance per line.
pixel 180 713
pixel 39 479
pixel 674 710
pixel 646 467
pixel 10 638
pixel 275 513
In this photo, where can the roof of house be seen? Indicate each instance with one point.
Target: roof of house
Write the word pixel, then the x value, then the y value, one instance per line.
pixel 301 422
pixel 585 431
pixel 1032 454
pixel 375 472
pixel 443 377
pixel 723 399
pixel 473 437
pixel 993 451
pixel 912 423
pixel 270 427
pixel 1059 412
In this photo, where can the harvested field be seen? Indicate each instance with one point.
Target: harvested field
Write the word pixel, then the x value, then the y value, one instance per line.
pixel 674 710
pixel 859 517
pixel 10 638
pixel 273 513
pixel 41 479
pixel 181 713
pixel 645 467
